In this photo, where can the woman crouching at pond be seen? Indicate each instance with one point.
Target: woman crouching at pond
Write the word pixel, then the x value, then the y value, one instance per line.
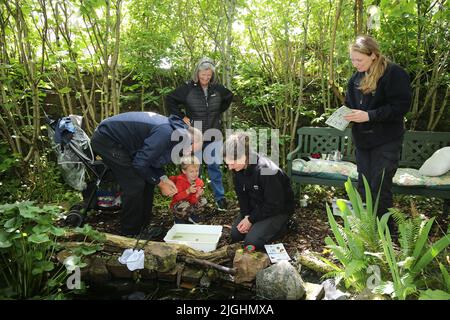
pixel 264 193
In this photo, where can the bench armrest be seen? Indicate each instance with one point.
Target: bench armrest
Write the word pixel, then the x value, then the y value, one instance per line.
pixel 291 155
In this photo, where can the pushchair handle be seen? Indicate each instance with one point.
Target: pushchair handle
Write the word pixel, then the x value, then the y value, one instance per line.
pixel 51 122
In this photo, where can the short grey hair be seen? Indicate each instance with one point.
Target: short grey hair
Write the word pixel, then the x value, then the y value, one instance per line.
pixel 204 64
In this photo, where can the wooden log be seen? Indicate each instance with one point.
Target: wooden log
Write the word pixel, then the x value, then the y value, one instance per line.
pixel 116 244
pixel 309 260
pixel 225 252
pixel 159 256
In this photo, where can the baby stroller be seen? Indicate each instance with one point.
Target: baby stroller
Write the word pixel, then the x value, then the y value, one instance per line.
pixel 81 170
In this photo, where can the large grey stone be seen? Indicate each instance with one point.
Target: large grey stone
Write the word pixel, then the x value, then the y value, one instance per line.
pixel 280 281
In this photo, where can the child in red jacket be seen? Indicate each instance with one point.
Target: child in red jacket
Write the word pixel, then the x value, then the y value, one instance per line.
pixel 188 202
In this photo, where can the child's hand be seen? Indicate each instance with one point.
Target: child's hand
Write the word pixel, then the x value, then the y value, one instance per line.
pixel 200 192
pixel 192 189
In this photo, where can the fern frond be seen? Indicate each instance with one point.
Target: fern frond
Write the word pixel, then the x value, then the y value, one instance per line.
pixel 355 266
pixel 332 274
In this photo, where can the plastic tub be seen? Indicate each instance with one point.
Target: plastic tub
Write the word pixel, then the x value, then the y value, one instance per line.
pixel 196 236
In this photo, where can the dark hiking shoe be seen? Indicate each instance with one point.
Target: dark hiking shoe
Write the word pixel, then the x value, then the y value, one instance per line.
pixel 194 218
pixel 222 205
pixel 180 221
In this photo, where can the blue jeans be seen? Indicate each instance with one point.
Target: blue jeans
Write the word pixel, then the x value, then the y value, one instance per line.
pixel 212 157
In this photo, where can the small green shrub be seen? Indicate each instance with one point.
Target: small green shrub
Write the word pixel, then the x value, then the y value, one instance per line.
pixel 28 246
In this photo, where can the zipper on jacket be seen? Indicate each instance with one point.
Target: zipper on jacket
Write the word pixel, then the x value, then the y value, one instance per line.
pixel 207 105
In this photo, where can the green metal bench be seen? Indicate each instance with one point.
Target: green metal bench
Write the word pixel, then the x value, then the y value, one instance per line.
pixel 417 147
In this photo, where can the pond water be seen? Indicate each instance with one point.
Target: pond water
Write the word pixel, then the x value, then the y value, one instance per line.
pixel 160 290
pixel 124 289
pixel 195 237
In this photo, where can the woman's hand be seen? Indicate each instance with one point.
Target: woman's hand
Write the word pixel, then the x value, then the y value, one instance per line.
pixel 357 116
pixel 168 188
pixel 244 226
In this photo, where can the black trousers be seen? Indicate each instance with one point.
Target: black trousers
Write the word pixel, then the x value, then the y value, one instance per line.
pixel 371 163
pixel 261 232
pixel 137 193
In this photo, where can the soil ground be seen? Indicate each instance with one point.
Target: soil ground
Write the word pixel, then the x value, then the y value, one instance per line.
pixel 308 226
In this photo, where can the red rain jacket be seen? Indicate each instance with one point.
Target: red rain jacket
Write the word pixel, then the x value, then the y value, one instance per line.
pixel 182 183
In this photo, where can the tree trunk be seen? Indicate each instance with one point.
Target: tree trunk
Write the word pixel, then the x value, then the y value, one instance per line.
pixel 228 70
pixel 359 14
pixel 332 47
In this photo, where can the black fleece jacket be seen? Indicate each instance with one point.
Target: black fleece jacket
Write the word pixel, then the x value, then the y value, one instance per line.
pixel 386 107
pixel 261 195
pixel 191 97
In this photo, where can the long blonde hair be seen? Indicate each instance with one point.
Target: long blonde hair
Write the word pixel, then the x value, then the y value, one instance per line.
pixel 368 46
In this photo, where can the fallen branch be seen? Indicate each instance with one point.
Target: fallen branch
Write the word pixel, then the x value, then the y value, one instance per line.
pixel 209 264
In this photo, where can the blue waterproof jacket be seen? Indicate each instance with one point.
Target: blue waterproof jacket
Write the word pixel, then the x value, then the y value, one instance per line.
pixel 147 137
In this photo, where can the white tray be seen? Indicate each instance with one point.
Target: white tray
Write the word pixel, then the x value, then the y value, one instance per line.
pixel 196 236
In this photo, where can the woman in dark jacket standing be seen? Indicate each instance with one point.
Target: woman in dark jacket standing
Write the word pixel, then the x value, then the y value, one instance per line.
pixel 264 193
pixel 380 95
pixel 204 100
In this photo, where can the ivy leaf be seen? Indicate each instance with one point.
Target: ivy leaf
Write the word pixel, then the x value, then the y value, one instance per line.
pixel 4 241
pixel 89 232
pixel 38 255
pixel 38 238
pixel 43 266
pixel 13 223
pixel 58 232
pixel 87 250
pixel 28 211
pixel 40 229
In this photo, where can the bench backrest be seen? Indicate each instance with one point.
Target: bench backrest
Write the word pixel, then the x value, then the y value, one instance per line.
pixel 417 145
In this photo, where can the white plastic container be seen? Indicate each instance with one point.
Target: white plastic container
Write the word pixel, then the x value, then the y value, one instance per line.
pixel 196 236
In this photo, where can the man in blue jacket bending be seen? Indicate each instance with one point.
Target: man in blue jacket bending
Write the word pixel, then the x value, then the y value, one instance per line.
pixel 136 146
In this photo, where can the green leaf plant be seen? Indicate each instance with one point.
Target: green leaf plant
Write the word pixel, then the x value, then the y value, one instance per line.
pixel 363 241
pixel 29 242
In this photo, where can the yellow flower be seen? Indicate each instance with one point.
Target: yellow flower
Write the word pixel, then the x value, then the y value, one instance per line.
pixel 24 234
